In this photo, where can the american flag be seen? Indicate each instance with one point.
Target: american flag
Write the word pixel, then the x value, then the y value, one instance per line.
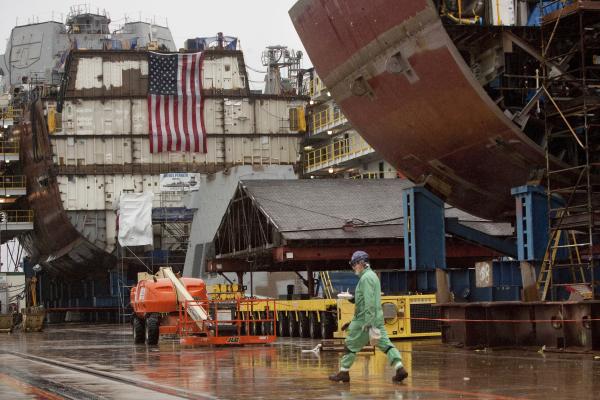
pixel 175 103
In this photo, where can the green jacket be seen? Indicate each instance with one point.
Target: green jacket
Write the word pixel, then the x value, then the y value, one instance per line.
pixel 367 300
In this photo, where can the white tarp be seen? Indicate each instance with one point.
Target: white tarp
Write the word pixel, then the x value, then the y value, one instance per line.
pixel 135 219
pixel 179 182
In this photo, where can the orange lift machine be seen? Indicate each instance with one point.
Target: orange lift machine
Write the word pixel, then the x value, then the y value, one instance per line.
pixel 166 304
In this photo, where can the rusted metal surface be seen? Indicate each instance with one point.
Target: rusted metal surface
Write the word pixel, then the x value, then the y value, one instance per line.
pixel 55 242
pixel 402 83
pixel 102 74
pixel 561 325
pixel 101 148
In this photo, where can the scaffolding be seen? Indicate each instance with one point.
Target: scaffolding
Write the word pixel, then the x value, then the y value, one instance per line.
pixel 571 62
pixel 174 223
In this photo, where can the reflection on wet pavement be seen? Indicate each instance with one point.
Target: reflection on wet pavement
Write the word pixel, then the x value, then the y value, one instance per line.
pixel 277 371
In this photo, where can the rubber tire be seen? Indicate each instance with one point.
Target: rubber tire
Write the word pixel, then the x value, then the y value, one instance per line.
pixel 139 330
pixel 294 326
pixel 152 330
pixel 315 325
pixel 283 325
pixel 327 325
pixel 304 326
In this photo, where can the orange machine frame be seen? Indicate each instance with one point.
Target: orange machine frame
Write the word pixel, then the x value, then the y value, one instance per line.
pixel 192 334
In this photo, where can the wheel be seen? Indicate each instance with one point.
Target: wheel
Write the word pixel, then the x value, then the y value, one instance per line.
pixel 314 325
pixel 304 326
pixel 327 325
pixel 139 330
pixel 152 329
pixel 283 325
pixel 293 325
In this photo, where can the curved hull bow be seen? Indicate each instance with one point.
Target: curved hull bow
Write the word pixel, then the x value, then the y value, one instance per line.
pixel 400 80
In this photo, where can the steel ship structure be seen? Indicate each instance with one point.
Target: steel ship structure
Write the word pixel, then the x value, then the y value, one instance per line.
pixel 84 134
pixel 447 91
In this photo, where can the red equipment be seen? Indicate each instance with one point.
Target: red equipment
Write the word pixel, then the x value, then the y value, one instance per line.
pixel 166 304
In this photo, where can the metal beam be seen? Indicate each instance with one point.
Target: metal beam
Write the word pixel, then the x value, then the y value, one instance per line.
pixel 454 227
pixel 376 252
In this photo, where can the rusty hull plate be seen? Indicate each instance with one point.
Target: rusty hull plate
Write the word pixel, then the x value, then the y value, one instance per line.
pixel 402 83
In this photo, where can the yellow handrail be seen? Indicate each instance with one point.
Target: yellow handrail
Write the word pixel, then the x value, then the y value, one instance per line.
pixel 328 118
pixel 367 175
pixel 333 152
pixel 12 181
pixel 10 113
pixel 18 216
pixel 9 147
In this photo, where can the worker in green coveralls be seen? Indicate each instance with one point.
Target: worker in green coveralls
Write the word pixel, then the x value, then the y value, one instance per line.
pixel 367 324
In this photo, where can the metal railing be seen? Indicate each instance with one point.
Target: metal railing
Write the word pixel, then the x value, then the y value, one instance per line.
pixel 12 182
pixel 7 147
pixel 326 119
pixel 17 216
pixel 339 150
pixel 368 175
pixel 10 113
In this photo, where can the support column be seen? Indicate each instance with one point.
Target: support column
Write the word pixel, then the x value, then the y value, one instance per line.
pixel 531 222
pixel 310 283
pixel 424 230
pixel 424 236
pixel 531 206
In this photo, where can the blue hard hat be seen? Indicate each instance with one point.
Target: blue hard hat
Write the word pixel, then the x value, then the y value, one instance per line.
pixel 359 256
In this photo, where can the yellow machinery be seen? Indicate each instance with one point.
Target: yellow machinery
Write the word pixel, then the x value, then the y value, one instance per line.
pixel 406 316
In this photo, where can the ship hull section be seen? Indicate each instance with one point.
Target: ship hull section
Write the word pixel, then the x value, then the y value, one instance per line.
pixel 402 83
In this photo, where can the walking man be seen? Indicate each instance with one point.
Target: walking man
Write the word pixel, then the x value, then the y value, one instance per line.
pixel 368 314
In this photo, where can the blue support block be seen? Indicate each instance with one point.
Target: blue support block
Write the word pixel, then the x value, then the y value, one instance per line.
pixel 424 231
pixel 531 222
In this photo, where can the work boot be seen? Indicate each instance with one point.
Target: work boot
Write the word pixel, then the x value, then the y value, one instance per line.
pixel 342 376
pixel 401 375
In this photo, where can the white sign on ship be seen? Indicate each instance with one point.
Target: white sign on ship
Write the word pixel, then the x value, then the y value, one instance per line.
pixel 179 182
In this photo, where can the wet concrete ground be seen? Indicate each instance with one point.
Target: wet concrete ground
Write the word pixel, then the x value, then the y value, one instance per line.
pixel 101 362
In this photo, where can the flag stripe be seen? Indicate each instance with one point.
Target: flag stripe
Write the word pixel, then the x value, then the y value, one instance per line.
pixel 193 93
pixel 200 115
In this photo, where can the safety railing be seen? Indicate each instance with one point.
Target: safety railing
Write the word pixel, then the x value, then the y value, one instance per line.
pixel 10 113
pixel 12 182
pixel 315 87
pixel 337 151
pixel 326 119
pixel 16 216
pixel 246 317
pixel 7 147
pixel 367 175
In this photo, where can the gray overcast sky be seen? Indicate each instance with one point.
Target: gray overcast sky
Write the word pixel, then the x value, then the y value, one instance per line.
pixel 257 23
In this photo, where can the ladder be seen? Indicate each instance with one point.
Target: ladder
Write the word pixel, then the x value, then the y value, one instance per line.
pixel 327 286
pixel 544 280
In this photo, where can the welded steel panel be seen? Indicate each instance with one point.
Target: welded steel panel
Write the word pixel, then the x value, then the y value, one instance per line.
pixel 221 115
pixel 94 74
pixel 402 83
pixel 103 74
pixel 84 152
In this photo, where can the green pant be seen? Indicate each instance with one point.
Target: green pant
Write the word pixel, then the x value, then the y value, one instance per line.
pixel 356 339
